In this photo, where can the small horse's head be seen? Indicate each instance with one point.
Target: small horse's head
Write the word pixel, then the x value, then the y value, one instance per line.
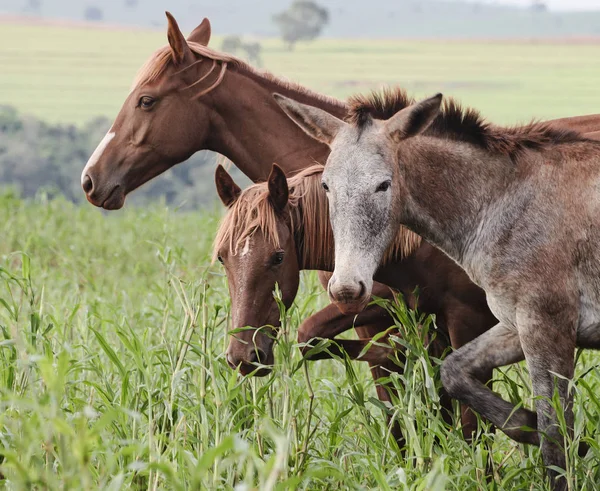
pixel 364 187
pixel 157 126
pixel 256 246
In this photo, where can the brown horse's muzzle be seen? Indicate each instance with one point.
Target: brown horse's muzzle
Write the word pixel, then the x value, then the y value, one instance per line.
pixel 253 356
pixel 109 197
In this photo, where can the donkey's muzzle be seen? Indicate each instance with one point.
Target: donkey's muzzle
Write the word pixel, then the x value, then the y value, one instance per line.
pixel 351 297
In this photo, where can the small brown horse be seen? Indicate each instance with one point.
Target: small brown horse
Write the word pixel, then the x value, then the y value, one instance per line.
pixel 517 208
pixel 274 230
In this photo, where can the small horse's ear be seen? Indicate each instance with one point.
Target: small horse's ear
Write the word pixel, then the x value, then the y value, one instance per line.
pixel 180 50
pixel 201 34
pixel 227 189
pixel 315 122
pixel 414 119
pixel 278 188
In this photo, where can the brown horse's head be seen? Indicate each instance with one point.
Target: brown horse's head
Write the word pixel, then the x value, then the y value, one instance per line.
pixel 157 126
pixel 255 243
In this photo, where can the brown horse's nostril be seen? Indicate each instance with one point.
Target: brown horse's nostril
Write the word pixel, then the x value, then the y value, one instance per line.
pixel 257 356
pixel 87 184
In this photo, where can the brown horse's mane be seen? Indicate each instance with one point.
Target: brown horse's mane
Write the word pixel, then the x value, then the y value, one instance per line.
pixel 309 221
pixel 161 59
pixel 461 124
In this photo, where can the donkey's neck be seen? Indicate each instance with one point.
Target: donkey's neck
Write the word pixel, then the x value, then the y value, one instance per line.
pixel 450 189
pixel 249 128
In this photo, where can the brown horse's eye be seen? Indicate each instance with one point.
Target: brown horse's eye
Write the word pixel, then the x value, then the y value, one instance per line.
pixel 384 186
pixel 278 258
pixel 220 259
pixel 146 102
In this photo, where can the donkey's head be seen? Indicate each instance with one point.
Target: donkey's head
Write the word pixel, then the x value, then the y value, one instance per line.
pixel 157 126
pixel 255 243
pixel 365 187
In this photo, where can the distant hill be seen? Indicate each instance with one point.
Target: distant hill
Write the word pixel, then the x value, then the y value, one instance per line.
pixel 349 19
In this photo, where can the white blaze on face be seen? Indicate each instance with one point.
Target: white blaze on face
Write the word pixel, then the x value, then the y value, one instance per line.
pixel 246 248
pixel 97 153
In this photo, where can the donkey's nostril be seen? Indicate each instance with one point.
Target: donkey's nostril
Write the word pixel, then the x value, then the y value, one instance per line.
pixel 363 289
pixel 87 184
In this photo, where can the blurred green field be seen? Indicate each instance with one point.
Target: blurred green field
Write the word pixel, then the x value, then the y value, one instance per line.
pixel 71 74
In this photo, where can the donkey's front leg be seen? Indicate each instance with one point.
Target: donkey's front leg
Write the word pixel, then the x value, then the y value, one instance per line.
pixel 463 370
pixel 548 338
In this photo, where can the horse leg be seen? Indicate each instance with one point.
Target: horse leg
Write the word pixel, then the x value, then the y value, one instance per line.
pixel 463 370
pixel 329 322
pixel 461 332
pixel 374 320
pixel 548 338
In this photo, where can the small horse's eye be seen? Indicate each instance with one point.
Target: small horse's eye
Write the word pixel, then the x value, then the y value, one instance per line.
pixel 325 186
pixel 146 102
pixel 278 258
pixel 220 259
pixel 384 186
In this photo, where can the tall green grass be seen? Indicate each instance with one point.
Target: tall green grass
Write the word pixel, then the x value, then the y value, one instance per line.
pixel 112 376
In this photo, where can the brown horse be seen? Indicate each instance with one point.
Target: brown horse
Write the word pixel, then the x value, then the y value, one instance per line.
pixel 517 208
pixel 189 97
pixel 274 230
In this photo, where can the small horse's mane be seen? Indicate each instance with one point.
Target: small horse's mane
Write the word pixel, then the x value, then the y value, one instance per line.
pixel 162 59
pixel 309 220
pixel 461 124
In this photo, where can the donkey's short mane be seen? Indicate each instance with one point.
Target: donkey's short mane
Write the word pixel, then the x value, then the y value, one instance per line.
pixel 162 59
pixel 309 216
pixel 460 124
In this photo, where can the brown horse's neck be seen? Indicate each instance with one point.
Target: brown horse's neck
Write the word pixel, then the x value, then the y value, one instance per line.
pixel 249 128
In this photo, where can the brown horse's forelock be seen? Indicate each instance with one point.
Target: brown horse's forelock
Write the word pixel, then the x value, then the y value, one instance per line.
pixel 460 124
pixel 308 213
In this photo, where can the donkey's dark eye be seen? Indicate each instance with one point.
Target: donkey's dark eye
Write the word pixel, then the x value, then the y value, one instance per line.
pixel 220 259
pixel 325 186
pixel 384 186
pixel 146 102
pixel 277 258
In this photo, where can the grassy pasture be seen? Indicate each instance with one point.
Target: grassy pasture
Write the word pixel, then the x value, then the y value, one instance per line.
pixel 71 74
pixel 112 326
pixel 112 376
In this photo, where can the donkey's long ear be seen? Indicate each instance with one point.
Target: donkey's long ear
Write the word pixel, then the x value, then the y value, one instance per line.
pixel 314 121
pixel 414 119
pixel 278 188
pixel 227 190
pixel 201 34
pixel 179 47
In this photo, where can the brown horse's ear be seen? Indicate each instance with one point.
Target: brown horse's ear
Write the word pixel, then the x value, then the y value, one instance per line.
pixel 179 47
pixel 414 119
pixel 278 188
pixel 227 189
pixel 201 34
pixel 315 122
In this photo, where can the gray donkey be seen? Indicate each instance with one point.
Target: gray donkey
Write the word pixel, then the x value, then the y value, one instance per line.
pixel 517 208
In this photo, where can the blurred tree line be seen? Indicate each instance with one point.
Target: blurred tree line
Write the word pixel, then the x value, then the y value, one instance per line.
pixel 37 156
